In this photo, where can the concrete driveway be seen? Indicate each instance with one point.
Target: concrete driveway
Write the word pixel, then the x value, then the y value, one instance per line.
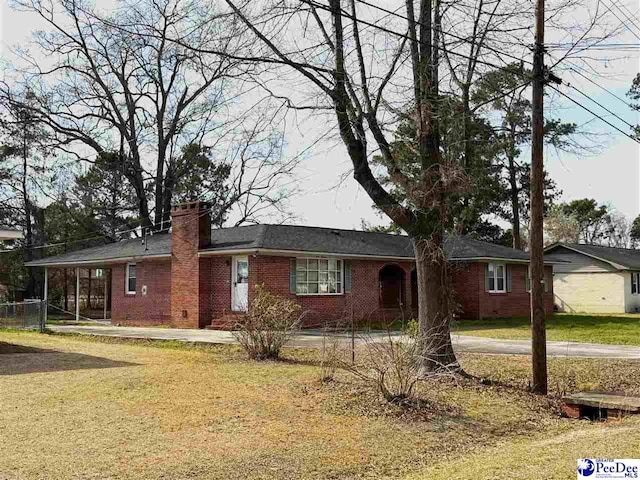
pixel 313 339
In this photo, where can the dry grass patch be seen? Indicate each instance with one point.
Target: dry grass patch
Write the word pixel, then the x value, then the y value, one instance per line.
pixel 108 409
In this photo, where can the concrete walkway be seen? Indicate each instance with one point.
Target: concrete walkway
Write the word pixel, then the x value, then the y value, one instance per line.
pixel 313 339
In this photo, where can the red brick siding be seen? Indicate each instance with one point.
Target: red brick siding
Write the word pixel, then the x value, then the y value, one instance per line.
pixel 211 289
pixel 273 272
pixel 218 275
pixel 477 303
pixel 150 309
pixel 467 284
pixel 190 231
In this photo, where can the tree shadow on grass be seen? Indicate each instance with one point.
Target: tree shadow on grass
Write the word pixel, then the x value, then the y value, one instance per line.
pixel 20 359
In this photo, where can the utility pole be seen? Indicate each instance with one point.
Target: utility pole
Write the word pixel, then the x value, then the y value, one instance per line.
pixel 538 329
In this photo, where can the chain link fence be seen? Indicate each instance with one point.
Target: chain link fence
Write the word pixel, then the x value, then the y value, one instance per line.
pixel 27 315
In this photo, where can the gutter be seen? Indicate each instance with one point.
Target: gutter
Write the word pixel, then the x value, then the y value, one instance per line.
pixel 268 251
pixel 302 253
pixel 275 252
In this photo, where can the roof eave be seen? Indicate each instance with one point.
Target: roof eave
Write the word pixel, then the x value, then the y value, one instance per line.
pixel 288 253
pixel 280 252
pixel 97 263
pixel 570 247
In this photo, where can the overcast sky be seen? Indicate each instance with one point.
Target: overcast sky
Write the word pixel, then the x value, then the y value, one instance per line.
pixel 611 176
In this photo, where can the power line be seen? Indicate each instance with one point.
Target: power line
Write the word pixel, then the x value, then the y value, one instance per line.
pixel 594 114
pixel 398 34
pixel 495 50
pixel 601 106
pixel 613 46
pixel 621 21
pixel 616 4
pixel 71 240
pixel 573 68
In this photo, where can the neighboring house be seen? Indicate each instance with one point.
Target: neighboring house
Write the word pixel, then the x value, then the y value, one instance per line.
pixel 594 278
pixel 197 276
pixel 9 234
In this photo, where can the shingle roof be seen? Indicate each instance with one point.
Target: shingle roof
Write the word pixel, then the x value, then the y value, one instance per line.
pixel 289 238
pixel 622 258
pixel 159 244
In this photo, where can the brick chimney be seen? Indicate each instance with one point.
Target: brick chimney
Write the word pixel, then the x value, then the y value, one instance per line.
pixel 190 231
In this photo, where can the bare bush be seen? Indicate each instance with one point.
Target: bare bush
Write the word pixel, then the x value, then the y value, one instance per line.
pixel 393 362
pixel 268 324
pixel 335 347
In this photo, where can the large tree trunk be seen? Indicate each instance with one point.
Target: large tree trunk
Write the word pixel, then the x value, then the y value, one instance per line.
pixel 434 306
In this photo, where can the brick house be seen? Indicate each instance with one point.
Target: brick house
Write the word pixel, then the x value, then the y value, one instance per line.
pixel 196 276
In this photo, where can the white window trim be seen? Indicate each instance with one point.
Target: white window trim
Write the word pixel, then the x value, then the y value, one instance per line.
pixel 495 277
pixel 126 280
pixel 322 294
pixel 635 276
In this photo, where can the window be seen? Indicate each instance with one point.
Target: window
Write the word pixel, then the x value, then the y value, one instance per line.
pixel 130 286
pixel 635 283
pixel 527 280
pixel 496 278
pixel 318 276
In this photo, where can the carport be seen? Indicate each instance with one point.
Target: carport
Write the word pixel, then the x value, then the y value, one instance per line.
pixel 91 276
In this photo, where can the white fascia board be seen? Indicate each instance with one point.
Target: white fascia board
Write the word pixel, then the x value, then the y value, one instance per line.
pixel 299 253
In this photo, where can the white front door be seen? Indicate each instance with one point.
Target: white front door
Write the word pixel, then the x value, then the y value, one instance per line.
pixel 240 284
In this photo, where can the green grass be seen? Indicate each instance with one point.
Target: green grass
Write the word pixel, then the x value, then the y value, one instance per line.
pixel 621 329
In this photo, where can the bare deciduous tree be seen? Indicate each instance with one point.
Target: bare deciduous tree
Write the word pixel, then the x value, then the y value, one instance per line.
pixel 365 78
pixel 113 83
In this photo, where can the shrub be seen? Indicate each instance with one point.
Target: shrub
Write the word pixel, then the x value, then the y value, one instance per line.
pixel 268 324
pixel 334 348
pixel 392 362
pixel 413 328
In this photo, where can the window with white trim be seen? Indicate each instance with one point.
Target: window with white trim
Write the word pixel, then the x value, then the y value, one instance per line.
pixel 635 283
pixel 319 276
pixel 130 278
pixel 497 278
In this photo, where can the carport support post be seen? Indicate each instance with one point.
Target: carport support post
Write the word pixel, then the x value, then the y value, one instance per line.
pixel 104 274
pixel 77 294
pixel 45 297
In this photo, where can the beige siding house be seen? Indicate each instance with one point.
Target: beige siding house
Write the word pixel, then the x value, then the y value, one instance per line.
pixel 595 279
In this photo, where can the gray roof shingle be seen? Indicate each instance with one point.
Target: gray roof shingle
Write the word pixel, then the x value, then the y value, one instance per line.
pixel 289 238
pixel 159 244
pixel 625 258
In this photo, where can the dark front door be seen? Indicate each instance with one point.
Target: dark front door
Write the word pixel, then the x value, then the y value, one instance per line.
pixel 391 287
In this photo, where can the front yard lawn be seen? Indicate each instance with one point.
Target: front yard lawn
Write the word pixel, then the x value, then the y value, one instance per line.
pixel 620 329
pixel 74 407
